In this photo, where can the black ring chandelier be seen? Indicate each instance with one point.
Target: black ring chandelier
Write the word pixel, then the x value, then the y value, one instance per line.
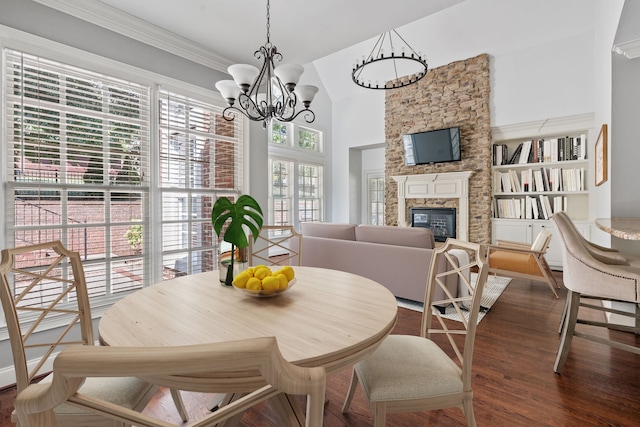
pixel 371 73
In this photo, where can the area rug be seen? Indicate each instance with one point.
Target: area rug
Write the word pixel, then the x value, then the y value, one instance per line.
pixel 492 290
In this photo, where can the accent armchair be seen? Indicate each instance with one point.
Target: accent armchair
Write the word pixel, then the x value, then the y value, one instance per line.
pixel 515 259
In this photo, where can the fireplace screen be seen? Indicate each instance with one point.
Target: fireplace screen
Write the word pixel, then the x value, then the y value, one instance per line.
pixel 442 221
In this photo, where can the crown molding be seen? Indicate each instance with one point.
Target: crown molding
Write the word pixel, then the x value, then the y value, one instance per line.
pixel 630 49
pixel 551 126
pixel 119 22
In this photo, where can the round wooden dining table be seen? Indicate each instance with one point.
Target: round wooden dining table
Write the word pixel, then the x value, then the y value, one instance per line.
pixel 328 318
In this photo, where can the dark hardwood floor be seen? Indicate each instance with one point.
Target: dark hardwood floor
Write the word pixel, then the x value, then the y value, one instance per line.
pixel 514 383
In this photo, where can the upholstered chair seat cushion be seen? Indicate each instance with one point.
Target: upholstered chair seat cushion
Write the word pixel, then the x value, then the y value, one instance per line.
pixel 127 392
pixel 519 262
pixel 400 367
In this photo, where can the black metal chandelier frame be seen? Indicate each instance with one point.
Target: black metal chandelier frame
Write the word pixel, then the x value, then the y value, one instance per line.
pixel 377 55
pixel 269 104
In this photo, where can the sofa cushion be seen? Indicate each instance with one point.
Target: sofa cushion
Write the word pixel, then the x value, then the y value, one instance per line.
pixel 329 230
pixel 414 237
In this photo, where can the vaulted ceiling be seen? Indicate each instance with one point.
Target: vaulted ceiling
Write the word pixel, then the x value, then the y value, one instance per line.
pixel 333 34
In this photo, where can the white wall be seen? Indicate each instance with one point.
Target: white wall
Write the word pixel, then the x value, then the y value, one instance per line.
pixel 551 80
pixel 609 14
pixel 624 147
pixel 357 122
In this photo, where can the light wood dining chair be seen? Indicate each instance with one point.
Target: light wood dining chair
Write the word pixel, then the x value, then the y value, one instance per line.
pixel 408 373
pixel 276 245
pixel 44 285
pixel 524 261
pixel 253 367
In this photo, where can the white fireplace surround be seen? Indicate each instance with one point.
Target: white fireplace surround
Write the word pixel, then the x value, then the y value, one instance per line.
pixel 448 185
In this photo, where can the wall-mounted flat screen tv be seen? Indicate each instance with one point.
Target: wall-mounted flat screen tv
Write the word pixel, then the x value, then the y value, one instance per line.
pixel 436 146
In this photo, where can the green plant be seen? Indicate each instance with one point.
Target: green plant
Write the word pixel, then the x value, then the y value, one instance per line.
pixel 245 212
pixel 134 237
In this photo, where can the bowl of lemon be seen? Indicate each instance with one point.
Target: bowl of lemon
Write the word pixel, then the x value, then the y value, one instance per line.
pixel 264 281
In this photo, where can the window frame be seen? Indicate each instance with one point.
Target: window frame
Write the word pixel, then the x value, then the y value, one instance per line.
pixel 292 152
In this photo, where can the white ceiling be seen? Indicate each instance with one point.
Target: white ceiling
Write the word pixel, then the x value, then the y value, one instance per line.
pixel 303 30
pixel 333 34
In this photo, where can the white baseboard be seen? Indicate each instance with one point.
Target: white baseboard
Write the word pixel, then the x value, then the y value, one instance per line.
pixel 8 374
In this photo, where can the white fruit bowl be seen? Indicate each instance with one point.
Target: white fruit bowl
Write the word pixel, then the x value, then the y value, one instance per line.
pixel 266 293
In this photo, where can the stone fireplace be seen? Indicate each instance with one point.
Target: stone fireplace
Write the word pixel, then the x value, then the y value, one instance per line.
pixel 457 94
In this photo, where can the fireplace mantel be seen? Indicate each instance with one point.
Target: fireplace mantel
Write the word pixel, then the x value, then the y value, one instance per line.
pixel 448 185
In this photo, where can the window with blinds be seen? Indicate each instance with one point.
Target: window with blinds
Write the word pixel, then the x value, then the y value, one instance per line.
pixel 77 159
pixel 296 167
pixel 281 192
pixel 201 158
pixel 81 165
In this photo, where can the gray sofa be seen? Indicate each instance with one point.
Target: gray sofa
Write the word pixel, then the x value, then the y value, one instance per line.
pixel 396 257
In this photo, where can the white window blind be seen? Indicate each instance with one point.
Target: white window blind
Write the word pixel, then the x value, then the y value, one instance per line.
pixel 281 192
pixel 309 192
pixel 296 191
pixel 78 167
pixel 201 159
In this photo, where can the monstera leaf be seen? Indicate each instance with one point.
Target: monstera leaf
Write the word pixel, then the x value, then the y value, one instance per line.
pixel 244 212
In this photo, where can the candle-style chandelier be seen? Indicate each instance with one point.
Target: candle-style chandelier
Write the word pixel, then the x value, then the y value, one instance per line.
pixel 389 69
pixel 269 93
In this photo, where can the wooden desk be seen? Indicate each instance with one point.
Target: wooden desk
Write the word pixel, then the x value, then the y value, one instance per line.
pixel 624 228
pixel 329 318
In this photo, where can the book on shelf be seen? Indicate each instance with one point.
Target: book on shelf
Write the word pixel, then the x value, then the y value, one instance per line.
pixel 515 157
pixel 529 207
pixel 500 154
pixel 541 150
pixel 546 149
pixel 539 180
pixel 524 153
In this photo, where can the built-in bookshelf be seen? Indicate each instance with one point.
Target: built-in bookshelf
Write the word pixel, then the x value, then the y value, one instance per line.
pixel 536 177
pixel 540 168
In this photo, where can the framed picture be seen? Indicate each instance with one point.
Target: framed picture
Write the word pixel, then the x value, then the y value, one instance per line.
pixel 601 156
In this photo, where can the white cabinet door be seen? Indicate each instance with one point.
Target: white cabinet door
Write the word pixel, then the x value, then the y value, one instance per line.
pixel 516 231
pixel 554 252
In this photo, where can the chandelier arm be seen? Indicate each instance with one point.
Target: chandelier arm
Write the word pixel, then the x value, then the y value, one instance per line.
pixel 229 113
pixel 395 66
pixel 309 116
pixel 407 44
pixel 249 108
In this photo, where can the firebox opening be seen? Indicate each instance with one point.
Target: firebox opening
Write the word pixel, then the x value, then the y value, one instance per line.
pixel 442 221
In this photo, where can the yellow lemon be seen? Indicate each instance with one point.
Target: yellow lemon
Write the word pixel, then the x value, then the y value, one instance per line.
pixel 254 284
pixel 250 271
pixel 284 282
pixel 261 272
pixel 270 283
pixel 241 279
pixel 287 270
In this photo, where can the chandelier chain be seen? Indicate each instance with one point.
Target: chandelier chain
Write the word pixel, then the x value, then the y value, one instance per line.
pixel 268 24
